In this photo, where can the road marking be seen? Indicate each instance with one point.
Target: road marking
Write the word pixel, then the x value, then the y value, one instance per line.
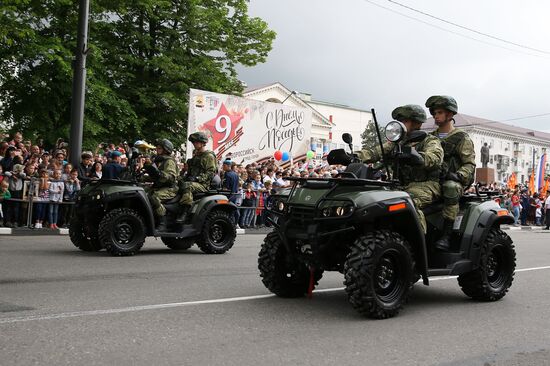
pixel 130 309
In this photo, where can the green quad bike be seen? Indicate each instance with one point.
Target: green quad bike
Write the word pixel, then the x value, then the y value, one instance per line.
pixel 117 215
pixel 369 231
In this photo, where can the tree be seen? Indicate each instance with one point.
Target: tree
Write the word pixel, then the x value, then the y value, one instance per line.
pixel 369 136
pixel 144 55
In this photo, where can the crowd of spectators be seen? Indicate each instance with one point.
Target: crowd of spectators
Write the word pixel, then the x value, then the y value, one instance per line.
pixel 44 173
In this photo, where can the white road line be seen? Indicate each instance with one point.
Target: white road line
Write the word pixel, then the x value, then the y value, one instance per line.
pixel 130 309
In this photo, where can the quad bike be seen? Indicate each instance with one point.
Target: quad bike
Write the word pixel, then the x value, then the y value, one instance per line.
pixel 369 231
pixel 116 215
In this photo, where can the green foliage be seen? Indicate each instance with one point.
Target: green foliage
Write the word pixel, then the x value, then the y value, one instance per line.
pixel 144 56
pixel 369 138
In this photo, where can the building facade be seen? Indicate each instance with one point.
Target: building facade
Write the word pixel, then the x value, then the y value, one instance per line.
pixel 512 149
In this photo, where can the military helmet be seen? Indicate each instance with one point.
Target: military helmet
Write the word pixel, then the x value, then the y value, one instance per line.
pixel 198 137
pixel 442 101
pixel 166 145
pixel 409 111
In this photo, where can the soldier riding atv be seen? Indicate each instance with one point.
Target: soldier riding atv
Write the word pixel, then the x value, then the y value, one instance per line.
pixel 119 214
pixel 371 232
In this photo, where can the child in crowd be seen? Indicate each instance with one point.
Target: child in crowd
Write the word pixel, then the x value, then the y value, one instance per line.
pixel 4 195
pixel 43 198
pixel 66 172
pixel 72 187
pixel 16 177
pixel 57 186
pixel 249 200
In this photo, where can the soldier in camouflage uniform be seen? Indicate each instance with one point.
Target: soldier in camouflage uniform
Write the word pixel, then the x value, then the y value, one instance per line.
pixel 418 171
pixel 458 164
pixel 201 169
pixel 164 175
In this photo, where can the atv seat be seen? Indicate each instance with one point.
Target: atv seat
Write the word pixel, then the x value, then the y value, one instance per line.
pixel 169 201
pixel 433 207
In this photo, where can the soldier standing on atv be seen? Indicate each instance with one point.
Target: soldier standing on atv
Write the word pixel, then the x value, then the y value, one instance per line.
pixel 419 170
pixel 163 175
pixel 201 169
pixel 458 168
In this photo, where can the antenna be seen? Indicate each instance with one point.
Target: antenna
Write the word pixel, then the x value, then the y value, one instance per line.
pixel 380 142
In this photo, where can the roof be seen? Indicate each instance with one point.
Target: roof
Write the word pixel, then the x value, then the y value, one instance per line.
pixel 464 120
pixel 337 105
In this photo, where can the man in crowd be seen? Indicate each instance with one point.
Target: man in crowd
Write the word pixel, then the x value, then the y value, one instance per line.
pixel 84 168
pixel 547 209
pixel 164 175
pixel 113 168
pixel 418 170
pixel 201 170
pixel 458 163
pixel 231 184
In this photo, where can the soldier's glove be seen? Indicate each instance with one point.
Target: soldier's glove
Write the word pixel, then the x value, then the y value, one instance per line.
pixel 190 179
pixel 413 157
pixel 151 170
pixel 454 177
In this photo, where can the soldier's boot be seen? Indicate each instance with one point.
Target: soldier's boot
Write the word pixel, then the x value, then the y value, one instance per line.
pixel 184 209
pixel 162 223
pixel 444 243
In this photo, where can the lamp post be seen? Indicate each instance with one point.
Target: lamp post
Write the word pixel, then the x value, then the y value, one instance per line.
pixel 79 83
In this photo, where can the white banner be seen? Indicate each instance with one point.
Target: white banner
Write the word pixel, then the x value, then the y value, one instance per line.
pixel 251 130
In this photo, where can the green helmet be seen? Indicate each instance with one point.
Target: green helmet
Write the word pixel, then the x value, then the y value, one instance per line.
pixel 166 145
pixel 409 111
pixel 198 136
pixel 442 101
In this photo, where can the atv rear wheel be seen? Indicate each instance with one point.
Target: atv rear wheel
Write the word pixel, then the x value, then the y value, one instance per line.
pixel 83 236
pixel 218 233
pixel 280 273
pixel 495 274
pixel 379 273
pixel 122 232
pixel 178 243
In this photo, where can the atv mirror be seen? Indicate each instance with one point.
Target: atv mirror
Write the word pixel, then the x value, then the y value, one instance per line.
pixel 347 138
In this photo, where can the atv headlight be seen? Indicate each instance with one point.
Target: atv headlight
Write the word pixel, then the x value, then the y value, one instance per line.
pixel 330 208
pixel 395 131
pixel 280 206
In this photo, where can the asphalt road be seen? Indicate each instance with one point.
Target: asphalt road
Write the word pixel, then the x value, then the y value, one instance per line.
pixel 61 306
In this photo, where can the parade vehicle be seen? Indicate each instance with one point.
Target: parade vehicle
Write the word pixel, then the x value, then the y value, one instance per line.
pixel 368 230
pixel 116 215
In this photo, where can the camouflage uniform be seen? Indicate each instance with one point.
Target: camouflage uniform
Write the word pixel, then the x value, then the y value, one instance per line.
pixel 459 159
pixel 165 185
pixel 421 183
pixel 201 169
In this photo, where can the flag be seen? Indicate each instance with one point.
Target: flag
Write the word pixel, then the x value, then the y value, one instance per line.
pixel 546 187
pixel 532 184
pixel 512 181
pixel 540 173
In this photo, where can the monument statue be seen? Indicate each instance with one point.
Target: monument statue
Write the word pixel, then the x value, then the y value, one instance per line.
pixel 484 155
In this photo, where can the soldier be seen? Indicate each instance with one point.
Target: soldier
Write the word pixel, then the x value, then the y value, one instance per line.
pixel 458 164
pixel 201 169
pixel 164 175
pixel 419 171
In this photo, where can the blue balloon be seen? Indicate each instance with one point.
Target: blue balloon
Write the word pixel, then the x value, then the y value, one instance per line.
pixel 286 156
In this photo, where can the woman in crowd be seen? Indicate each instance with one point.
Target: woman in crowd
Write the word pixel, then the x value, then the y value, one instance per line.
pixel 97 171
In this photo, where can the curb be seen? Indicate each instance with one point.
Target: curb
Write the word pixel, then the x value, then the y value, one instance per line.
pixel 50 232
pixel 522 228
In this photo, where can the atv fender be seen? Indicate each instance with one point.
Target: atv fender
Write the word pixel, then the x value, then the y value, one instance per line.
pixel 207 204
pixel 472 241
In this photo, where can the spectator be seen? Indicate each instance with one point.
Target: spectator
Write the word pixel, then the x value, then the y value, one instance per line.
pixel 84 168
pixel 66 172
pixel 72 187
pixel 249 202
pixel 56 197
pixel 231 184
pixel 97 171
pixel 113 168
pixel 547 209
pixel 16 190
pixel 4 195
pixel 43 198
pixel 525 206
pixel 7 163
pixel 516 207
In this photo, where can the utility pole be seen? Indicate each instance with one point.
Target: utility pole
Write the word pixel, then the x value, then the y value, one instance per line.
pixel 79 83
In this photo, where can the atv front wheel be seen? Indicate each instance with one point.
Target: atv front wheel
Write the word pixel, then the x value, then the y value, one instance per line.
pixel 497 265
pixel 218 233
pixel 281 274
pixel 379 273
pixel 122 232
pixel 178 243
pixel 83 236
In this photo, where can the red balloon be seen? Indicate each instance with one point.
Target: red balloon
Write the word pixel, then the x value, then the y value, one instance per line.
pixel 278 155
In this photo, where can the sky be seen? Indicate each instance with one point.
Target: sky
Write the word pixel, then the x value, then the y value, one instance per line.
pixel 356 53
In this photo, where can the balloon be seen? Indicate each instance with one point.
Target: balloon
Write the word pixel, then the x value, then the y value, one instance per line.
pixel 286 156
pixel 278 155
pixel 310 154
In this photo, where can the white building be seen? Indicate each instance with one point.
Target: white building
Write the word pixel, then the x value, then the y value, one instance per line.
pixel 512 149
pixel 330 120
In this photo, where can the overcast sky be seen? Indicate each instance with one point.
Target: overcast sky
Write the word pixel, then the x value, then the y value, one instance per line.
pixel 355 53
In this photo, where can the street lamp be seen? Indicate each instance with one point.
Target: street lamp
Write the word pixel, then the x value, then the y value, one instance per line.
pixel 79 83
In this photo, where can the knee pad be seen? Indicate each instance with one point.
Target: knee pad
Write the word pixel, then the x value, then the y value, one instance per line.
pixel 451 192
